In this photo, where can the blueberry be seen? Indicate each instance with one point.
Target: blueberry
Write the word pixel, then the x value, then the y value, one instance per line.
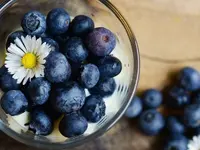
pixel 196 97
pixel 104 87
pixel 101 41
pixel 70 98
pixel 192 116
pixel 41 123
pixel 135 108
pixel 7 82
pixel 177 97
pixel 109 67
pixel 174 125
pixel 46 34
pixel 51 111
pixel 75 50
pixel 89 75
pixel 189 79
pixel 81 25
pixel 197 131
pixel 72 125
pixel 152 98
pixel 58 21
pixel 48 107
pixel 39 90
pixel 61 40
pixel 151 122
pixel 14 102
pixel 93 58
pixel 13 36
pixel 54 45
pixel 94 108
pixel 3 69
pixel 57 68
pixel 177 142
pixel 34 23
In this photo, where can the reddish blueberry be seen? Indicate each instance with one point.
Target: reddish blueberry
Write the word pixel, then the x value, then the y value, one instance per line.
pixel 101 41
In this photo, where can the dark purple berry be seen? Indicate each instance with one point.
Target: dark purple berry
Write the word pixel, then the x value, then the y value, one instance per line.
pixel 101 41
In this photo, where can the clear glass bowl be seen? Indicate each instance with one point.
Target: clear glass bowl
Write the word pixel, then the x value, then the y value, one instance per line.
pixel 104 14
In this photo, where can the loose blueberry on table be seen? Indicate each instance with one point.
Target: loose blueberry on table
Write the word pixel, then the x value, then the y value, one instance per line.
pixel 151 122
pixel 176 142
pixel 135 108
pixel 46 72
pixel 178 97
pixel 182 112
pixel 152 98
pixel 189 79
pixel 175 125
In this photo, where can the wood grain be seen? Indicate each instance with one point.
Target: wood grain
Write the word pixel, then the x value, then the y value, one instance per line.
pixel 168 33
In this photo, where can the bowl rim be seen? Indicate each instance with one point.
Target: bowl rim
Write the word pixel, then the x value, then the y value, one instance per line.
pixel 116 117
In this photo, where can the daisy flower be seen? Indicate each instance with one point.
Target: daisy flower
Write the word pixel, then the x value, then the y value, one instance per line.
pixel 194 144
pixel 25 58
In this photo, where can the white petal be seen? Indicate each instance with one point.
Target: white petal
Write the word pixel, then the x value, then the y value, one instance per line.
pixel 45 53
pixel 39 71
pixel 28 43
pixel 24 40
pixel 12 64
pixel 19 43
pixel 38 43
pixel 23 75
pixel 28 76
pixel 15 50
pixel 19 74
pixel 31 75
pixel 34 45
pixel 41 60
pixel 11 57
pixel 194 144
pixel 40 50
pixel 13 70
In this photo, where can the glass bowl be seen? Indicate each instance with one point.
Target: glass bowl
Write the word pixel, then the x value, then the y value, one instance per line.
pixel 104 14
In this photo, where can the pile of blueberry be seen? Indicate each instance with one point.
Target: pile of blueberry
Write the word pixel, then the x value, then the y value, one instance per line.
pixel 80 61
pixel 181 102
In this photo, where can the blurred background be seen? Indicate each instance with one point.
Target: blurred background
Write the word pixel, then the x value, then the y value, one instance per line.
pixel 168 34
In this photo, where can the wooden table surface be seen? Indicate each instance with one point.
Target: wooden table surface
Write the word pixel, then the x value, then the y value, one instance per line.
pixel 168 35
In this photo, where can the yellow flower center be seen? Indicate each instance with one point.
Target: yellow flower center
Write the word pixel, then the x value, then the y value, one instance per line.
pixel 29 61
